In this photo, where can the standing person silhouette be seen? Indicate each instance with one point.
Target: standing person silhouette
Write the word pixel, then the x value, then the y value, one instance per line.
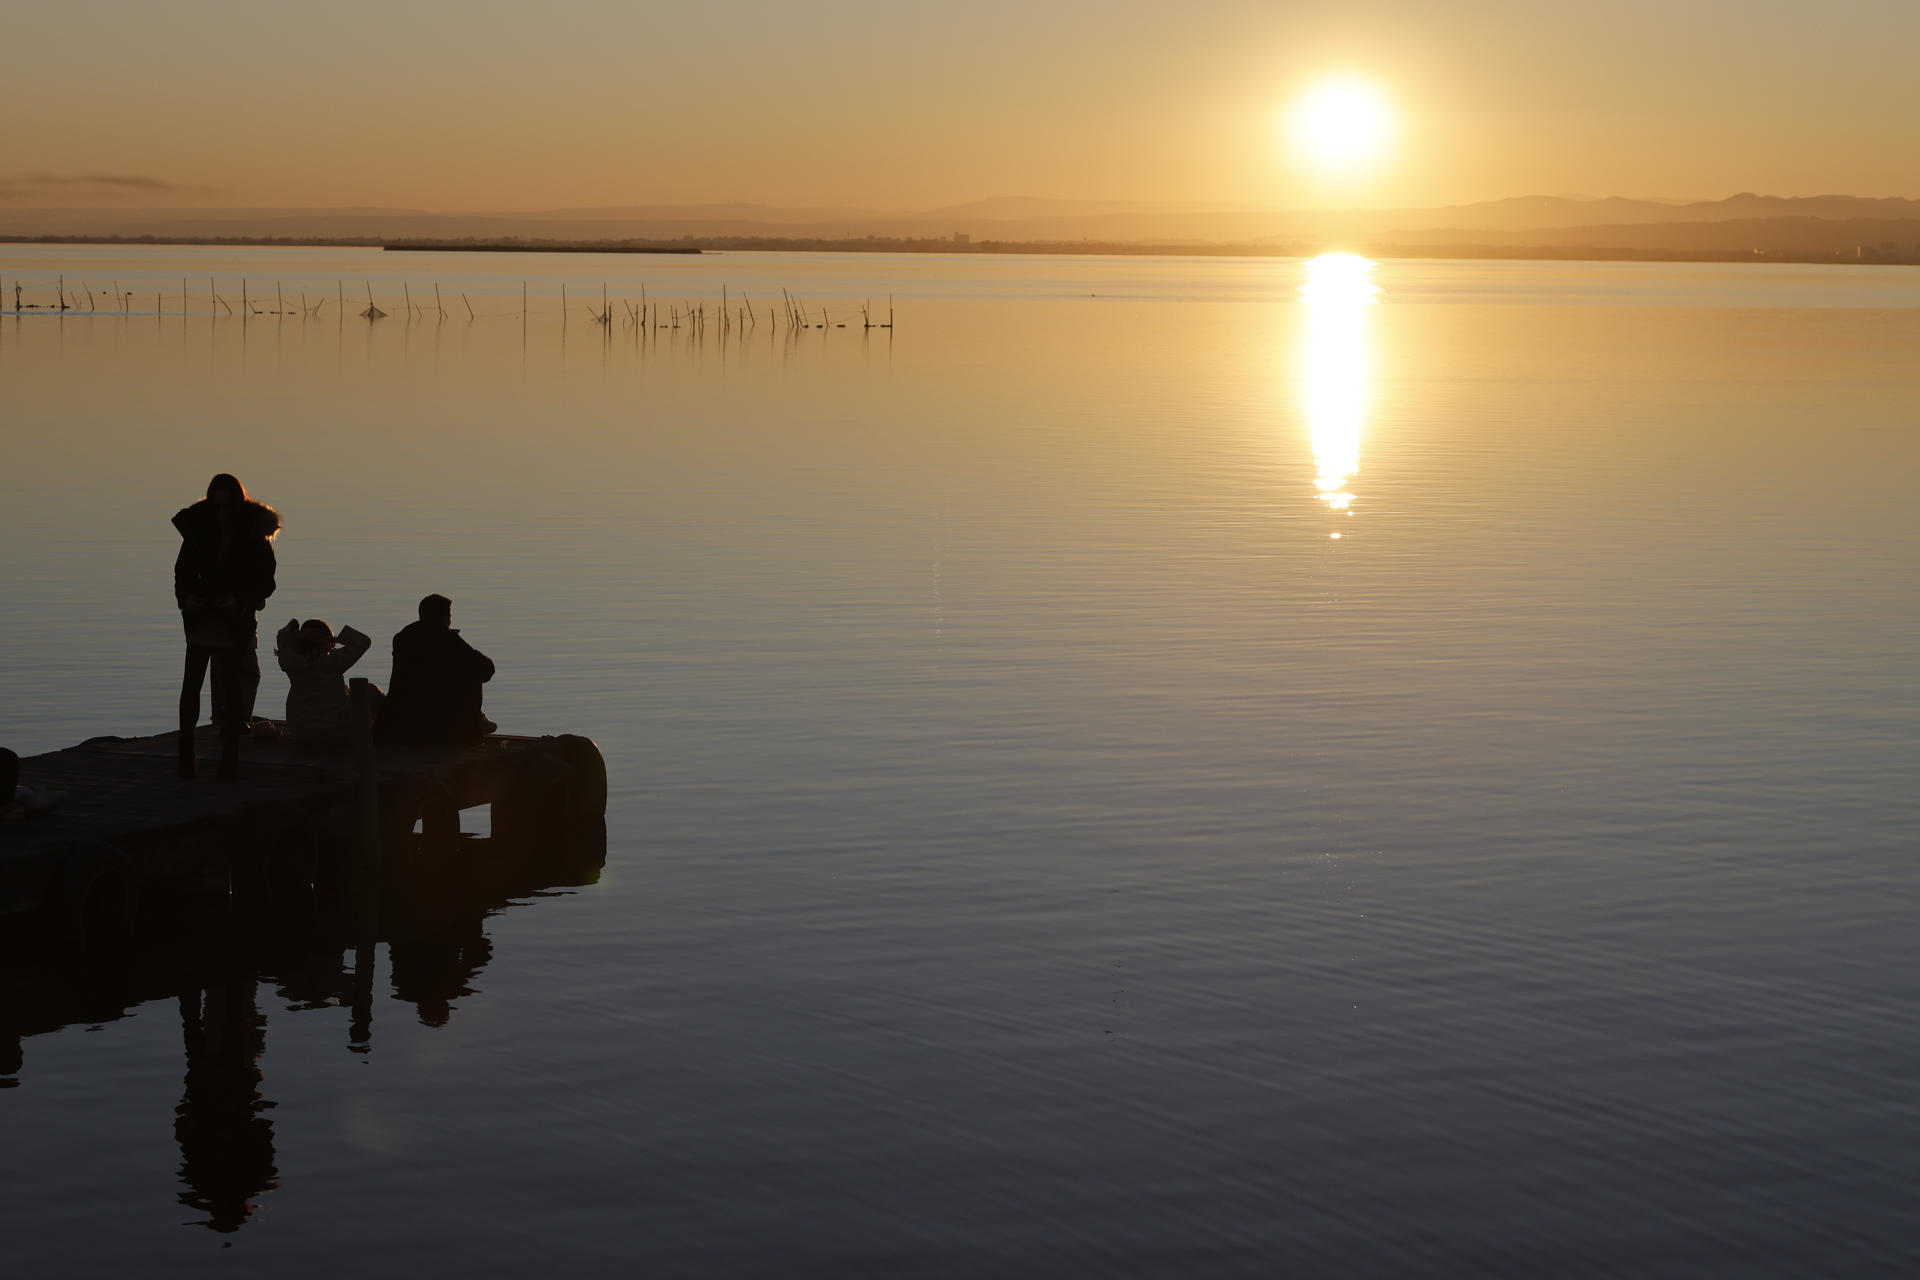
pixel 222 576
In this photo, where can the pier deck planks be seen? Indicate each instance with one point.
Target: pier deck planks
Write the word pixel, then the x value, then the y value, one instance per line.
pixel 123 793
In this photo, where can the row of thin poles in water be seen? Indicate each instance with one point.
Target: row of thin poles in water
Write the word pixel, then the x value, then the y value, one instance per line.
pixel 742 315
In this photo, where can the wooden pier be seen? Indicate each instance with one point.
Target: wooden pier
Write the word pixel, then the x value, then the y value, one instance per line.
pixel 292 818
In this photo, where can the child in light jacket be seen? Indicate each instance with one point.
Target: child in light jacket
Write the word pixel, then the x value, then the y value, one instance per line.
pixel 316 662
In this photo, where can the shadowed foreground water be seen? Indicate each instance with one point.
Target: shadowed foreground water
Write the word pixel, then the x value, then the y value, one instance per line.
pixel 1038 844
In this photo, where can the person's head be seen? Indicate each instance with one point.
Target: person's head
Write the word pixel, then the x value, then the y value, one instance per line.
pixel 226 490
pixel 316 635
pixel 437 609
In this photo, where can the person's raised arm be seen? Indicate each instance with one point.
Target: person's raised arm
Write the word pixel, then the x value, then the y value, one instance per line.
pixel 350 646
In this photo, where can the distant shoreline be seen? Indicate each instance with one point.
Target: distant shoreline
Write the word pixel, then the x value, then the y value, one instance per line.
pixel 741 244
pixel 437 246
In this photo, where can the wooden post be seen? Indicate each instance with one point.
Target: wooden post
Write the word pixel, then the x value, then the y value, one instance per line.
pixel 360 696
pixel 436 300
pixel 367 873
pixel 463 298
pixel 367 797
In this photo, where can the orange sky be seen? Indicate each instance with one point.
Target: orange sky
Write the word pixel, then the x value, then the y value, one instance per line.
pixel 905 105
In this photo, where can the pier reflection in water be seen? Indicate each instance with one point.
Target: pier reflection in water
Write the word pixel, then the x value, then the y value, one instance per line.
pixel 312 956
pixel 1335 370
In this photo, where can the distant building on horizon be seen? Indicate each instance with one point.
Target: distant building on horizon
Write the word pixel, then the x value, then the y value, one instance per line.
pixel 961 237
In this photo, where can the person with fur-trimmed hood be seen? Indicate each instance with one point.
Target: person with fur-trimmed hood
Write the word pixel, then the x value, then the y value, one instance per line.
pixel 221 578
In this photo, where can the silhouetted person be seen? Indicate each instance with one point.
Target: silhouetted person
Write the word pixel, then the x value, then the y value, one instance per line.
pixel 319 713
pixel 226 1143
pixel 435 951
pixel 222 576
pixel 434 695
pixel 18 800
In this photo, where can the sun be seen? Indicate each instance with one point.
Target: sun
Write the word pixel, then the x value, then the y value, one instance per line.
pixel 1341 125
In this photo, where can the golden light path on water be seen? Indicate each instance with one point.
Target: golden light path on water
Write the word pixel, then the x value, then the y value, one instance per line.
pixel 1334 369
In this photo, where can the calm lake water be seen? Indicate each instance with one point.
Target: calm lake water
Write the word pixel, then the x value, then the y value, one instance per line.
pixel 1148 767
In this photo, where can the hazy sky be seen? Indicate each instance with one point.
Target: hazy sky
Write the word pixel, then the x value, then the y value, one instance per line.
pixel 905 104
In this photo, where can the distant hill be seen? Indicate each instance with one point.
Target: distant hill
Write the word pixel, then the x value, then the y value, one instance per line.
pixel 1737 223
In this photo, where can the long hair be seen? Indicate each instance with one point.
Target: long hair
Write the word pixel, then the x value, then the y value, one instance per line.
pixel 230 484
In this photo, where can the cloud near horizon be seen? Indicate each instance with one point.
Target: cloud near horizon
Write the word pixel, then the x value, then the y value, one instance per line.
pixel 18 187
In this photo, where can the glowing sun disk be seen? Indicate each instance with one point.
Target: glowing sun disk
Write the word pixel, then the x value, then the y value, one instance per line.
pixel 1341 125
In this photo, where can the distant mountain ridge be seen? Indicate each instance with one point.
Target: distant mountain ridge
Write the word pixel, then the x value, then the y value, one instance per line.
pixel 1735 223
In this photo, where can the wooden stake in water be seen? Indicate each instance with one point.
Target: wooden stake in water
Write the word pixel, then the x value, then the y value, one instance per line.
pixel 463 298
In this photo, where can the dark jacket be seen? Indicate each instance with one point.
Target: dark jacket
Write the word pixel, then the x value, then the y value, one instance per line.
pixel 217 563
pixel 434 695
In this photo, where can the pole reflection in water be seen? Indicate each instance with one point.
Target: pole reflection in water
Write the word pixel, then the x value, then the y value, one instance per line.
pixel 1335 369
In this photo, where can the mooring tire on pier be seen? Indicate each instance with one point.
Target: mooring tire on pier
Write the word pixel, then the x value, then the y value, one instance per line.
pixel 98 895
pixel 589 770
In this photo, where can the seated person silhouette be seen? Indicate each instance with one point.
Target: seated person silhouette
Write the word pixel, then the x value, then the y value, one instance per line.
pixel 434 695
pixel 316 661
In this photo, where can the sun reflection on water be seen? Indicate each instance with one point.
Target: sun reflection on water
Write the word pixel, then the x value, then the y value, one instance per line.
pixel 1337 292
